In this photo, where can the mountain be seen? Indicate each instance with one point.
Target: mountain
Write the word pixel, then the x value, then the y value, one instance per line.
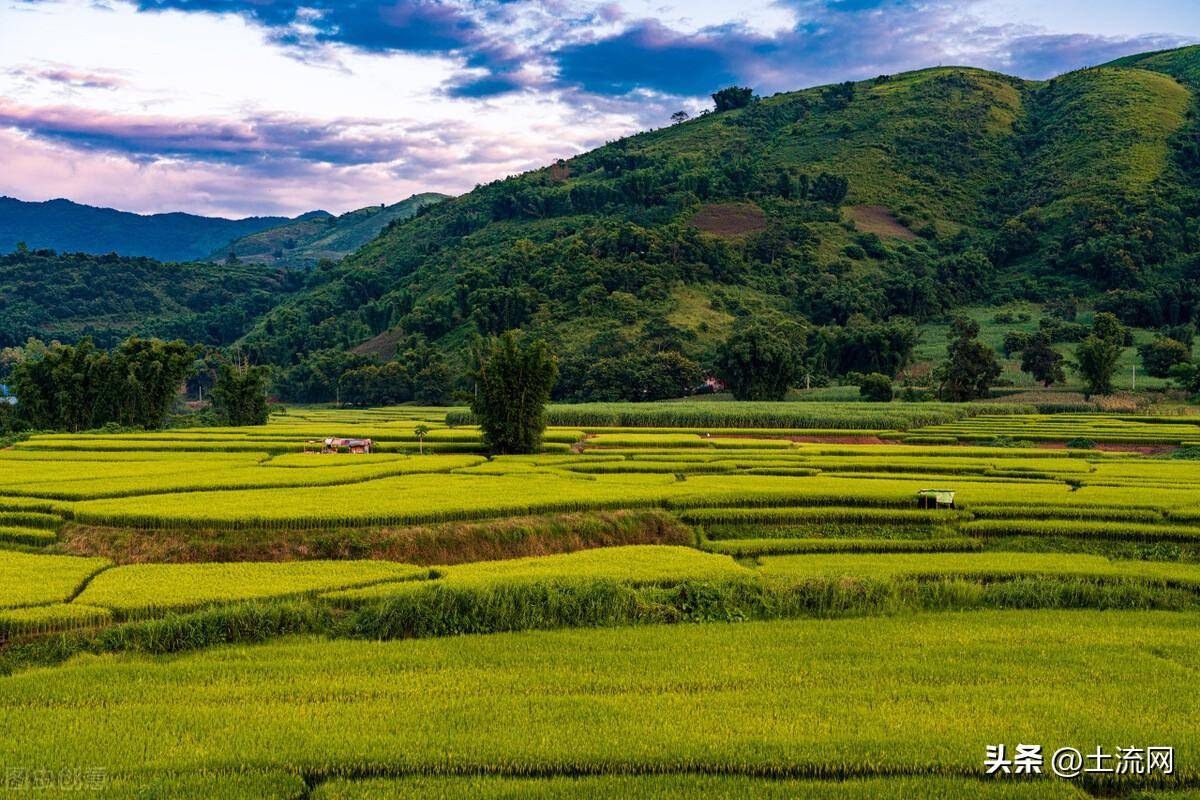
pixel 71 227
pixel 319 235
pixel 855 209
pixel 65 296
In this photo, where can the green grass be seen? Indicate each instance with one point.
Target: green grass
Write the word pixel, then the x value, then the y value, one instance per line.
pixel 702 415
pixel 980 565
pixel 28 579
pixel 636 565
pixel 51 618
pixel 140 589
pixel 663 787
pixel 848 698
pixel 30 536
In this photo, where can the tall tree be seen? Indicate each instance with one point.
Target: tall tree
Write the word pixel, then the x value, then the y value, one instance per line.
pixel 512 385
pixel 240 395
pixel 1097 356
pixel 971 366
pixel 762 361
pixel 1042 361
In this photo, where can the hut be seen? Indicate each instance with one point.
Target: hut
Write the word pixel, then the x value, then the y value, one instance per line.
pixel 337 444
pixel 935 498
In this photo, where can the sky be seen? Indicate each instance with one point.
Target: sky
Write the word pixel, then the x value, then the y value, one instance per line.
pixel 243 107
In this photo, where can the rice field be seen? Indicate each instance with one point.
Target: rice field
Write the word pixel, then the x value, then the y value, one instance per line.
pixel 759 606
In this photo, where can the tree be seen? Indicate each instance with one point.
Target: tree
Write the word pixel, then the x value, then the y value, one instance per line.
pixel 830 189
pixel 512 385
pixel 1106 326
pixel 239 396
pixel 1042 361
pixel 678 117
pixel 1161 354
pixel 1187 377
pixel 971 366
pixel 762 361
pixel 733 97
pixel 1015 342
pixel 1097 356
pixel 76 387
pixel 876 387
pixel 421 431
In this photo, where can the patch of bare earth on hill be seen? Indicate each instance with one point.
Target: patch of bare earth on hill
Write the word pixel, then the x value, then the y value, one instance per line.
pixel 381 347
pixel 729 219
pixel 879 221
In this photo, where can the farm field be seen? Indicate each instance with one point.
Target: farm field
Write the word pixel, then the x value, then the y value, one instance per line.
pixel 751 602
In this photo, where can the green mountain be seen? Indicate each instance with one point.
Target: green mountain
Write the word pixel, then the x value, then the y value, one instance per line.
pixel 72 227
pixel 65 296
pixel 849 208
pixel 320 235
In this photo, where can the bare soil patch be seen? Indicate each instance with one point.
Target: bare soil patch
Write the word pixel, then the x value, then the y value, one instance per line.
pixel 381 347
pixel 879 221
pixel 729 219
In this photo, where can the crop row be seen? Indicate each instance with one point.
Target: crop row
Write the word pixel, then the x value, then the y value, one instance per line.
pixel 755 699
pixel 28 579
pixel 818 415
pixel 753 547
pixel 140 589
pixel 702 787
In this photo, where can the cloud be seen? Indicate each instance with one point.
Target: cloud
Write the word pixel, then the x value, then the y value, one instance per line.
pixel 261 139
pixel 266 164
pixel 832 40
pixel 649 55
pixel 1047 55
pixel 71 78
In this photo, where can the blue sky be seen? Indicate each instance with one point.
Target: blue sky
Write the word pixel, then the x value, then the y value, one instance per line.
pixel 237 107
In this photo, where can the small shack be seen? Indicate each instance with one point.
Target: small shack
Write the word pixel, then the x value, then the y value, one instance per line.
pixel 336 444
pixel 935 498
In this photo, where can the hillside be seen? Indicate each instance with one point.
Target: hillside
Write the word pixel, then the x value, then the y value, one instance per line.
pixel 71 227
pixel 901 197
pixel 319 235
pixel 66 296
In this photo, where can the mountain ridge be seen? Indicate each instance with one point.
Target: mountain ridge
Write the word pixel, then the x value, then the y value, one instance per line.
pixel 1009 190
pixel 67 226
pixel 320 235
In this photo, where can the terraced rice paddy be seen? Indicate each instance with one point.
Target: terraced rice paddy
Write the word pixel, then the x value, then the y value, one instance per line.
pixel 757 611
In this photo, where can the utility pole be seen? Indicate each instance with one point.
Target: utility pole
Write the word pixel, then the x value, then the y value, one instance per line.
pixel 1134 387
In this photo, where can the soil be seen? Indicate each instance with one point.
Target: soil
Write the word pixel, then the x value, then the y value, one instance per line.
pixel 729 219
pixel 879 221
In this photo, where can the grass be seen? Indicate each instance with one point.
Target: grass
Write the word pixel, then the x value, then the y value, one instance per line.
pixel 662 787
pixel 925 694
pixel 140 589
pixel 697 414
pixel 571 562
pixel 637 566
pixel 50 618
pixel 979 565
pixel 28 579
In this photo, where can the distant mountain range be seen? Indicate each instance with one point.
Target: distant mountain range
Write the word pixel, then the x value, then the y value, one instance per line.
pixel 320 235
pixel 70 227
pixel 851 210
pixel 75 228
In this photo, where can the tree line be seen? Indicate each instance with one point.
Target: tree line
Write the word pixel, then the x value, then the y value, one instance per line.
pixel 134 385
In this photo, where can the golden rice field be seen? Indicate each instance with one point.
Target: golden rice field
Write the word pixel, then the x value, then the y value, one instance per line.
pixel 746 601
